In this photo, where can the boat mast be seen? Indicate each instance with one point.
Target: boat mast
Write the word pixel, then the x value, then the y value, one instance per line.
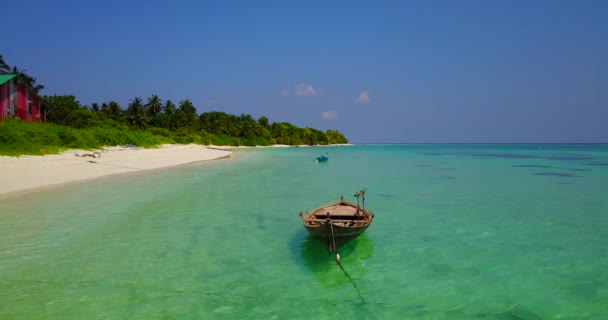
pixel 363 196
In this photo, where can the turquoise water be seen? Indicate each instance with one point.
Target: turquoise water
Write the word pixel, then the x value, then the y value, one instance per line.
pixel 461 232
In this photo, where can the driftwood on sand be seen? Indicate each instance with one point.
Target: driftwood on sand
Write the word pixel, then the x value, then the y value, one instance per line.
pixel 95 154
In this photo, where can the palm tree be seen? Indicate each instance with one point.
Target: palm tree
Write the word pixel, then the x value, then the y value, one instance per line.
pixel 169 108
pixel 215 122
pixel 247 126
pixel 4 68
pixel 113 110
pixel 263 121
pixel 154 106
pixel 21 75
pixel 136 113
pixel 187 107
pixel 31 81
pixel 185 116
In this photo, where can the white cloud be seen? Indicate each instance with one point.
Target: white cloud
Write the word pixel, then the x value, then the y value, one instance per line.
pixel 304 90
pixel 363 98
pixel 329 114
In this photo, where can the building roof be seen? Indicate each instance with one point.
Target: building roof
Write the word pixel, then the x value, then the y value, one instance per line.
pixel 6 77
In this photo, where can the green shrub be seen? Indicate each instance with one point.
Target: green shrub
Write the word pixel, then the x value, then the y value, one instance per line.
pixel 160 132
pixel 18 137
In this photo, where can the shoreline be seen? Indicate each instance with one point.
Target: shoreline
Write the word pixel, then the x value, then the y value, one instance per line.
pixel 25 174
pixel 28 174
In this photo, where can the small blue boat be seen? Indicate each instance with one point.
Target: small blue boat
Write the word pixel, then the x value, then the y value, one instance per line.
pixel 322 159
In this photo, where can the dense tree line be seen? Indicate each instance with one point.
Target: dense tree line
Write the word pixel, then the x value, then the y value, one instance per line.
pixel 163 117
pixel 170 119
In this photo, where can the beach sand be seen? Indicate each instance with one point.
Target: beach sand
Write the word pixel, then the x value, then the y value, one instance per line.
pixel 18 174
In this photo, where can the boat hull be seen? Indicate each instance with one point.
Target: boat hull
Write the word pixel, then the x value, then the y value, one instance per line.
pixel 336 224
pixel 342 235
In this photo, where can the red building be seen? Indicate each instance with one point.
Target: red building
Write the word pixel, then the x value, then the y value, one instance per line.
pixel 19 100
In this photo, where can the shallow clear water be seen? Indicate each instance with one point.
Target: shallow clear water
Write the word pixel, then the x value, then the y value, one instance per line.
pixel 461 232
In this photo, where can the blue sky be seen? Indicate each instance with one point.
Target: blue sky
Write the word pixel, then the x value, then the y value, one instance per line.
pixel 378 71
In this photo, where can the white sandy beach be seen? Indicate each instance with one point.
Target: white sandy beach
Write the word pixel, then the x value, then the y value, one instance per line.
pixel 29 172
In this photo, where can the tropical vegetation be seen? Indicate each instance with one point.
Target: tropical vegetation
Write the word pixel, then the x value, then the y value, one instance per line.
pixel 142 122
pixel 21 75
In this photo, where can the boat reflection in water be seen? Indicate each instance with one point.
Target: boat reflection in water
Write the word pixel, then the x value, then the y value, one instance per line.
pixel 323 265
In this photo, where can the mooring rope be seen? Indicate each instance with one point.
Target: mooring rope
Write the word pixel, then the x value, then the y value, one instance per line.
pixel 331 226
pixel 351 281
pixel 340 264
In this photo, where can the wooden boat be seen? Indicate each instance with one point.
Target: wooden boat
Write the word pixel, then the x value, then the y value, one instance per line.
pixel 322 159
pixel 338 223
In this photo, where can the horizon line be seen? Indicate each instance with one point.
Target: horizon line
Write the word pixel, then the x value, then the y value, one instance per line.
pixel 521 143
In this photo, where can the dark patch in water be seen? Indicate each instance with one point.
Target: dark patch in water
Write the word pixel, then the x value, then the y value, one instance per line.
pixel 440 267
pixel 557 174
pixel 261 223
pixel 518 312
pixel 583 290
pixel 597 164
pixel 531 166
pixel 562 157
pixel 446 177
pixel 504 155
pixel 569 158
pixel 427 238
pixel 555 247
pixel 579 169
pixel 384 195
